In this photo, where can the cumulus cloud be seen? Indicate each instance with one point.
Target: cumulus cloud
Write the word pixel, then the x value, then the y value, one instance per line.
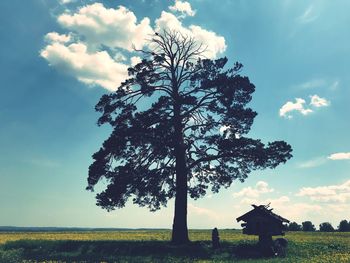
pixel 108 26
pixel 298 105
pixel 319 201
pixel 339 156
pixel 135 60
pixel 56 37
pixel 284 206
pixel 297 211
pixel 63 2
pixel 92 68
pixel 261 187
pixel 214 43
pixel 97 48
pixel 223 128
pixel 183 7
pixel 318 101
pixel 332 193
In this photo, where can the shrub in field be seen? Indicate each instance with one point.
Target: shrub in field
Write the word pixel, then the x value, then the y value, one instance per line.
pixel 294 227
pixel 308 226
pixel 344 226
pixel 326 227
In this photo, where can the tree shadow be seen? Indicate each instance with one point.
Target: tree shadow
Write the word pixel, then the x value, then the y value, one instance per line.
pixel 130 251
pixel 92 251
pixel 247 251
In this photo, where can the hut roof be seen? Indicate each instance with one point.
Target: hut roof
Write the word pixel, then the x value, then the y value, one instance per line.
pixel 261 210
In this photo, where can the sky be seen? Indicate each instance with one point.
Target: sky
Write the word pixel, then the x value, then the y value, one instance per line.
pixel 58 57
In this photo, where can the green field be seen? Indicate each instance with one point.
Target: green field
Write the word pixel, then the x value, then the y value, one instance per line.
pixel 153 246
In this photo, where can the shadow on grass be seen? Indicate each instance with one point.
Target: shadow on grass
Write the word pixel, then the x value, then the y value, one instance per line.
pixel 92 251
pixel 129 251
pixel 247 251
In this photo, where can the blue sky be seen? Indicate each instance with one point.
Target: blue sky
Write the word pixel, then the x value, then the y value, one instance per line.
pixel 58 58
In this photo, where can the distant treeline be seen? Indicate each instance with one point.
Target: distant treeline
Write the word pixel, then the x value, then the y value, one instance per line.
pixel 344 226
pixel 63 229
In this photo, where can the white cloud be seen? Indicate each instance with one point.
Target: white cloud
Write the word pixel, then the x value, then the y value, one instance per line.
pixel 63 2
pixel 108 26
pixel 297 106
pixel 318 101
pixel 320 201
pixel 95 29
pixel 340 156
pixel 261 187
pixel 297 211
pixel 183 7
pixel 223 128
pixel 285 207
pixel 332 193
pixel 192 209
pixel 55 37
pixel 214 44
pixel 135 60
pixel 308 15
pixel 92 68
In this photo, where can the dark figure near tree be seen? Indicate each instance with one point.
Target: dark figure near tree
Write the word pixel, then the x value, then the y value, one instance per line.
pixel 215 239
pixel 179 129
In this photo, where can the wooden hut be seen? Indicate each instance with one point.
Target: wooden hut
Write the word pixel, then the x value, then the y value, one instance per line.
pixel 261 221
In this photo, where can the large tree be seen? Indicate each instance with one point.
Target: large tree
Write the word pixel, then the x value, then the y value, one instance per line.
pixel 179 124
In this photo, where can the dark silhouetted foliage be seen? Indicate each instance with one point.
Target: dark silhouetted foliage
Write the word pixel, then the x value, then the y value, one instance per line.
pixel 294 227
pixel 179 128
pixel 308 226
pixel 344 226
pixel 326 227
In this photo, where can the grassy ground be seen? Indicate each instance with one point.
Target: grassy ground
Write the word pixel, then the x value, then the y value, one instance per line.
pixel 153 246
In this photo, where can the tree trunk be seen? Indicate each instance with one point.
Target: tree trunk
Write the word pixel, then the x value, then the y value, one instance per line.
pixel 180 230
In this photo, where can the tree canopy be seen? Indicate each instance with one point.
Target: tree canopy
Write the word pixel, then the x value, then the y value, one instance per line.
pixel 179 128
pixel 293 226
pixel 344 226
pixel 308 226
pixel 326 227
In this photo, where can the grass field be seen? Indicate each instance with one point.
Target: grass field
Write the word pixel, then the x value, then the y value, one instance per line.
pixel 153 246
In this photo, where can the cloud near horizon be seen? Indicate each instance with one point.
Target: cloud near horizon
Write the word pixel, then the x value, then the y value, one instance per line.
pixel 340 156
pixel 101 36
pixel 307 203
pixel 261 187
pixel 332 193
